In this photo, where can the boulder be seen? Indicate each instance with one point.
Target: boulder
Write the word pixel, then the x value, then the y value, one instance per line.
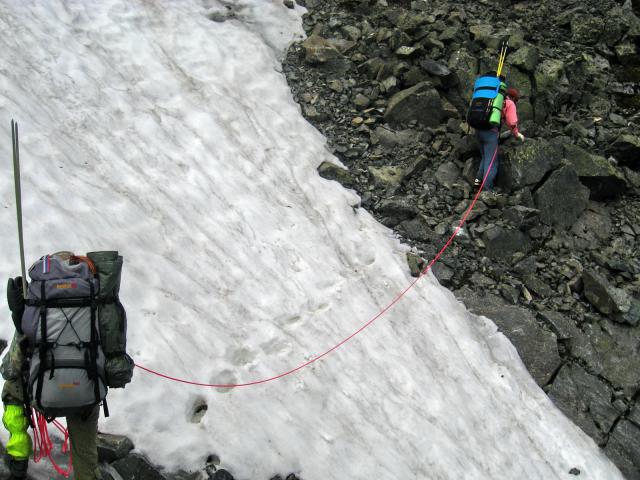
pixel 626 148
pixel 595 172
pixel 331 171
pixel 609 300
pixel 464 65
pixel 390 138
pixel 320 50
pixel 610 350
pixel 594 225
pixel 624 449
pixel 137 467
pixel 395 210
pixel 585 399
pixel 501 242
pixel 560 324
pixel 523 218
pixel 387 176
pixel 562 198
pixel 421 103
pixel 113 447
pixel 528 164
pixel 587 29
pixel 525 58
pixel 536 346
pixel 447 174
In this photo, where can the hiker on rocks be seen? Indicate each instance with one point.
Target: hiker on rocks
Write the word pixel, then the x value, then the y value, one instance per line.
pixel 488 140
pixel 68 374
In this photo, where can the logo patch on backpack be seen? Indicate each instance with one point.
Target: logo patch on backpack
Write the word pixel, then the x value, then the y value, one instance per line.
pixel 67 285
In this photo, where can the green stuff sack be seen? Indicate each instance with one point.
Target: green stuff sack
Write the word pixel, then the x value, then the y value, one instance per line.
pixel 112 318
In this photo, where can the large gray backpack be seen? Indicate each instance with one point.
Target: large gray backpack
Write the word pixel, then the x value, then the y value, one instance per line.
pixel 68 301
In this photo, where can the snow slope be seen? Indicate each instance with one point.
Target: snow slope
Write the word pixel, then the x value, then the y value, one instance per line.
pixel 150 129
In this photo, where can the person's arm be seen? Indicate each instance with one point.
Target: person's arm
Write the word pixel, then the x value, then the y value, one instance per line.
pixel 511 119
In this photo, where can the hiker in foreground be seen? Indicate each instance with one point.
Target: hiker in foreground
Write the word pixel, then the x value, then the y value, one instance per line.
pixel 72 303
pixel 489 139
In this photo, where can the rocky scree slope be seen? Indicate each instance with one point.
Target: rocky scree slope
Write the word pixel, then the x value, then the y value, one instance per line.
pixel 554 260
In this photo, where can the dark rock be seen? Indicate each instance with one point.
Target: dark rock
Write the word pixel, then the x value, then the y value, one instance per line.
pixel 536 346
pixel 595 172
pixel 624 449
pixel 587 29
pixel 560 324
pixel 113 447
pixel 396 210
pixel 387 177
pixel 626 148
pixel 521 217
pixel 222 474
pixel 392 138
pixel 136 467
pixel 525 57
pixel 610 300
pixel 594 225
pixel 442 272
pixel 537 286
pixel 320 50
pixel 183 475
pixel 416 229
pixel 585 399
pixel 448 174
pixel 421 103
pixel 528 164
pixel 331 171
pixel 610 350
pixel 562 198
pixel 502 243
pixel 435 68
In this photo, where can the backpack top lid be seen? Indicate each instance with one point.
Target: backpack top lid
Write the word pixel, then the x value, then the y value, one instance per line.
pixel 60 265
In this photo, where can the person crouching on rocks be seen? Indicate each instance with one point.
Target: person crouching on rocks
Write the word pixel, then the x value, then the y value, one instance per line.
pixel 488 140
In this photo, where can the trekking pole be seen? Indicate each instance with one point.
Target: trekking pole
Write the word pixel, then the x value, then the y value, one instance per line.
pixel 16 179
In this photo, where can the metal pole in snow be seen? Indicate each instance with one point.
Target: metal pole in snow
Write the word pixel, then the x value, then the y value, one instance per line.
pixel 16 179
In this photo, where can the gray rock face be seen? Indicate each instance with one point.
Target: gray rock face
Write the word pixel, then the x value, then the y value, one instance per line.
pixel 421 103
pixel 626 148
pixel 503 242
pixel 610 300
pixel 624 449
pixel 113 447
pixel 137 467
pixel 584 399
pixel 320 50
pixel 565 207
pixel 331 171
pixel 562 198
pixel 596 173
pixel 536 346
pixel 528 164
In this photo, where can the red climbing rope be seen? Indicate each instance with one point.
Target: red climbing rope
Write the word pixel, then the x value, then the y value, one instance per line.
pixel 43 446
pixel 376 317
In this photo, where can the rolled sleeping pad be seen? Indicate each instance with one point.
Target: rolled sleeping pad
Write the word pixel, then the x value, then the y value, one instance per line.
pixel 498 102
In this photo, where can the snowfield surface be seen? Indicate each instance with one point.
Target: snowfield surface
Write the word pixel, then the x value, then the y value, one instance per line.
pixel 150 129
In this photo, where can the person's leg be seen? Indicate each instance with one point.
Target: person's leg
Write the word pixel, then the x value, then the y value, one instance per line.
pixel 83 433
pixel 492 159
pixel 481 168
pixel 19 446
